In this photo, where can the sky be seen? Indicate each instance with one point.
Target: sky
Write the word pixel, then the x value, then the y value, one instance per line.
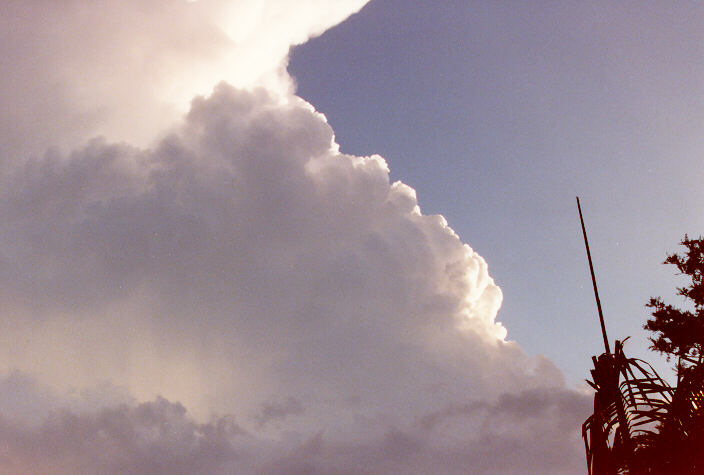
pixel 500 113
pixel 238 238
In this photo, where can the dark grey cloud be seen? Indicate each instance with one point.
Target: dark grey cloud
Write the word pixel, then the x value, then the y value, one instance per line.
pixel 152 437
pixel 531 432
pixel 161 437
pixel 273 411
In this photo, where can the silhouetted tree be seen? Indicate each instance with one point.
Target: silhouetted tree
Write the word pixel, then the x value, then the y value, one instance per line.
pixel 680 332
pixel 640 423
pixel 679 445
pixel 630 403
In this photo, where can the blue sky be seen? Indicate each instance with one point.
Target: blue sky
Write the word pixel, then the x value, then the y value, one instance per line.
pixel 500 113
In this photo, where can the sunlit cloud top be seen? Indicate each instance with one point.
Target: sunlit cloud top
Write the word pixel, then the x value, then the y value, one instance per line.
pixel 128 69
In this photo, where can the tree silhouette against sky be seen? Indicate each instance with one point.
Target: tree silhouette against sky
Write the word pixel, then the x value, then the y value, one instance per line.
pixel 640 423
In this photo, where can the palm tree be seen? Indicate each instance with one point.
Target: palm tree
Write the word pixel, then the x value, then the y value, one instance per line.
pixel 630 404
pixel 640 423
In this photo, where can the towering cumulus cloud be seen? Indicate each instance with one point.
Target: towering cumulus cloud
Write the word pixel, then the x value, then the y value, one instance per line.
pixel 235 295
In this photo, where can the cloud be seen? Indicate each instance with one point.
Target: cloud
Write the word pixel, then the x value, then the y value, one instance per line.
pixel 75 69
pixel 273 411
pixel 245 266
pixel 244 231
pixel 232 264
pixel 152 437
pixel 161 437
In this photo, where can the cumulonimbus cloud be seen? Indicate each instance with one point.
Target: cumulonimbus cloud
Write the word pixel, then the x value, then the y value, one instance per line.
pixel 239 293
pixel 247 225
pixel 244 263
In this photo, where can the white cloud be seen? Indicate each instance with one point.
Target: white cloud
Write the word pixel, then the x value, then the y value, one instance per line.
pixel 74 69
pixel 239 265
pixel 227 228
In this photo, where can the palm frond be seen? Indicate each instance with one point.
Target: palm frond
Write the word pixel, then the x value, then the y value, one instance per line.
pixel 631 402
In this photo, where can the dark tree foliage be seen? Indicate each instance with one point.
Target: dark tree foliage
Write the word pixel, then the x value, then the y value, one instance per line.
pixel 679 446
pixel 679 332
pixel 641 424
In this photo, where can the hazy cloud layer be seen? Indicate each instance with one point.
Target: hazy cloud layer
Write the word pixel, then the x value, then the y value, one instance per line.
pixel 237 295
pixel 528 432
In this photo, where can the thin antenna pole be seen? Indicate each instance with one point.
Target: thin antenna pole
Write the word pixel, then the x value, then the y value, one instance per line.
pixel 591 269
